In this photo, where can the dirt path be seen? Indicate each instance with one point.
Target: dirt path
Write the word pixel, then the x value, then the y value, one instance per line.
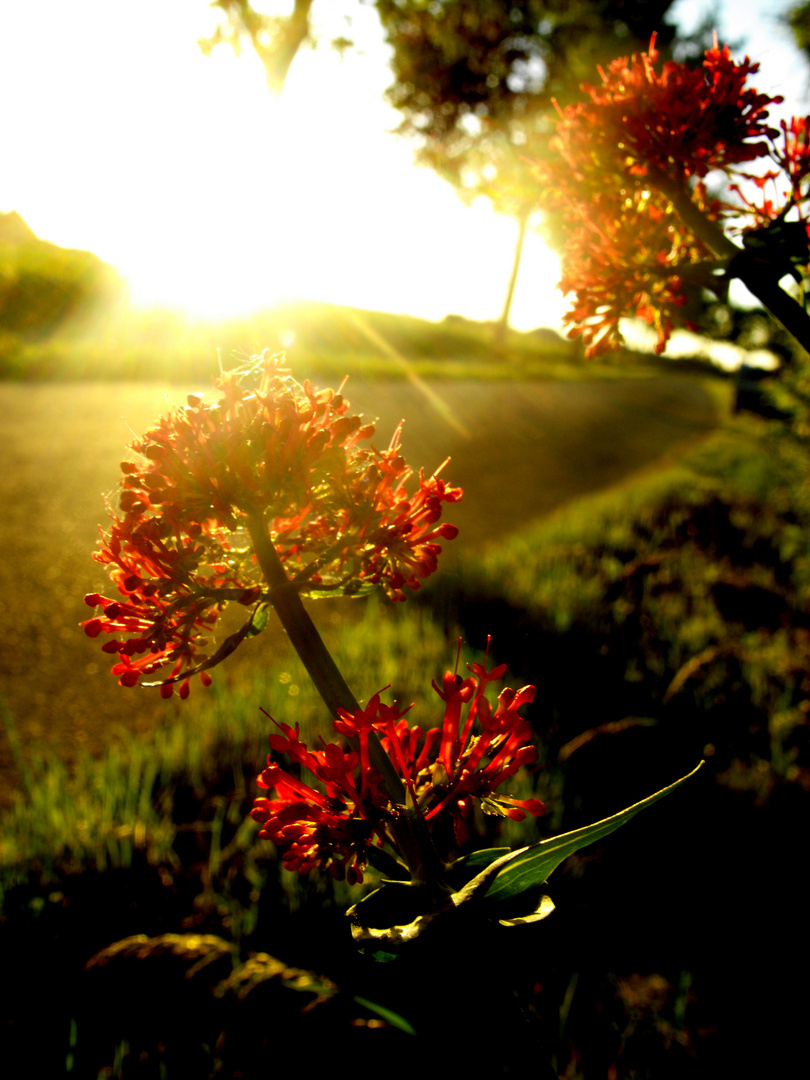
pixel 519 450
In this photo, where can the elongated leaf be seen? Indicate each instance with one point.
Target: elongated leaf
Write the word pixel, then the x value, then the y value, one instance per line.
pixel 229 645
pixel 390 1017
pixel 530 867
pixel 466 868
pixel 482 857
pixel 255 624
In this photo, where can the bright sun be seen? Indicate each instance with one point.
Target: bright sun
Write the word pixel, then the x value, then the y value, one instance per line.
pixel 182 171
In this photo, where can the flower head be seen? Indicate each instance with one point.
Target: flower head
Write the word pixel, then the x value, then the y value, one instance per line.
pixel 272 452
pixel 629 258
pixel 628 171
pixel 678 121
pixel 447 772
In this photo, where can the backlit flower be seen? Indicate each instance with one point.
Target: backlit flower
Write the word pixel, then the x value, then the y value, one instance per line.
pixel 268 451
pixel 627 177
pixel 447 771
pixel 629 259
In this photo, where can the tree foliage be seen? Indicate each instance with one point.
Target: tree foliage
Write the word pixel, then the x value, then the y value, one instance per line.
pixel 474 81
pixel 275 39
pixel 465 74
pixel 477 84
pixel 798 19
pixel 43 285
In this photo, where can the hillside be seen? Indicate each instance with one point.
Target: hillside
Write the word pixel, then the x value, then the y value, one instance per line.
pixel 44 286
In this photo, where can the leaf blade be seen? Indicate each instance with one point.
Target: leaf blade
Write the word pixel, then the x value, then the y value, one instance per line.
pixel 531 867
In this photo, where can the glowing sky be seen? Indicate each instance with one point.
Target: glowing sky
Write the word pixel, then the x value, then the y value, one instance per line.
pixel 121 137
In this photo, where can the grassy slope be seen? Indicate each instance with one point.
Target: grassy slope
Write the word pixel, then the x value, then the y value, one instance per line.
pixel 663 622
pixel 680 591
pixel 602 606
pixel 113 341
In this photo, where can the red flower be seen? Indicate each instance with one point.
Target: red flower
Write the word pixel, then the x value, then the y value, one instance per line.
pixel 331 829
pixel 627 260
pixel 679 122
pixel 781 189
pixel 628 177
pixel 338 513
pixel 447 771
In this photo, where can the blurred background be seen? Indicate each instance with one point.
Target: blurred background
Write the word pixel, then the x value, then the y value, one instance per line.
pixel 187 184
pixel 148 134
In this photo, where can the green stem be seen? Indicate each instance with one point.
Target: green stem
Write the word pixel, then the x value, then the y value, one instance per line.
pixel 410 828
pixel 300 628
pixel 755 274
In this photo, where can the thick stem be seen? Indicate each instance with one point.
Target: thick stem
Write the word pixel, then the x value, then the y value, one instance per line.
pixel 755 274
pixel 410 829
pixel 300 628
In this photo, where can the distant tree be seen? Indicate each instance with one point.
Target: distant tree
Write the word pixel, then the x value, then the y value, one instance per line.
pixel 476 84
pixel 275 39
pixel 489 64
pixel 43 286
pixel 476 81
pixel 798 19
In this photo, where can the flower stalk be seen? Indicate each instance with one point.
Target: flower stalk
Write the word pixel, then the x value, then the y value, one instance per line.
pixel 756 273
pixel 260 499
pixel 287 462
pixel 411 836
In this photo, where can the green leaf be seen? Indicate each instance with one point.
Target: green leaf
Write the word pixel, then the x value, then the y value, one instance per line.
pixel 390 1017
pixel 386 864
pixel 258 620
pixel 466 868
pixel 329 593
pixel 531 866
pixel 479 859
pixel 380 956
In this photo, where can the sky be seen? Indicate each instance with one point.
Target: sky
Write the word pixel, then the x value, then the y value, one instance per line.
pixel 122 138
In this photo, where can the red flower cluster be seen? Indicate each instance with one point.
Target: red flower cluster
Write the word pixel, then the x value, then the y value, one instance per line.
pixel 645 281
pixel 782 189
pixel 679 122
pixel 628 174
pixel 446 771
pixel 269 454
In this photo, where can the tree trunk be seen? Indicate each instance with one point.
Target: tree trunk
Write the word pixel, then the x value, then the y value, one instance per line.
pixel 278 58
pixel 503 324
